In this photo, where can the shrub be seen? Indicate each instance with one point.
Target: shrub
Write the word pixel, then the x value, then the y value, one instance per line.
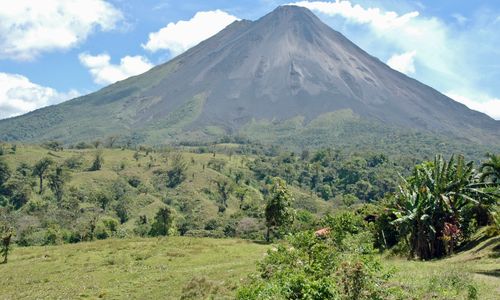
pixel 216 164
pixel 339 265
pixel 101 231
pixel 74 162
pixel 199 288
pixel 248 228
pixel 134 181
pixel 307 267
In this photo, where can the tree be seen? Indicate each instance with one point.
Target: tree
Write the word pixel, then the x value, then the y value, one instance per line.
pixel 96 143
pixel 177 174
pixel 490 170
pixel 6 237
pixel 53 145
pixel 40 169
pixel 163 222
pixel 122 210
pixel 102 199
pixel 224 189
pixel 432 205
pixel 277 210
pixel 136 156
pixel 4 173
pixel 111 140
pixel 98 161
pixel 57 180
pixel 241 192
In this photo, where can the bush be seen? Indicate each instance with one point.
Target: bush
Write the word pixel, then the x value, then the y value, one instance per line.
pixel 101 231
pixel 336 266
pixel 54 235
pixel 134 181
pixel 205 233
pixel 248 228
pixel 216 164
pixel 199 288
pixel 74 162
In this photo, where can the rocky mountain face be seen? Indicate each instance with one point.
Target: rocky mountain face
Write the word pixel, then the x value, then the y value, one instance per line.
pixel 287 65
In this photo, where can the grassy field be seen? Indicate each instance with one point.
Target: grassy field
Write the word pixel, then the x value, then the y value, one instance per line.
pixel 468 273
pixel 133 269
pixel 197 268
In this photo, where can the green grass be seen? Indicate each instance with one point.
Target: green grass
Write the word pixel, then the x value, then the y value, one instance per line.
pixel 167 268
pixel 453 277
pixel 134 268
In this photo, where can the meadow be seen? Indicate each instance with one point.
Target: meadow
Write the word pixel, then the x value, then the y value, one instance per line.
pixel 204 268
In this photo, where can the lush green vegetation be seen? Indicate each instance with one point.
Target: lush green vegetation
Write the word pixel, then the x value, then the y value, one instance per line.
pixel 53 196
pixel 371 207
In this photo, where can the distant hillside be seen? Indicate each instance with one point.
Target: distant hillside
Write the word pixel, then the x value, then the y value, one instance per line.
pixel 286 71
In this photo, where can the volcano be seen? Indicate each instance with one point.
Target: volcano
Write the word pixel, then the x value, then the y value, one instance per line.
pixel 285 70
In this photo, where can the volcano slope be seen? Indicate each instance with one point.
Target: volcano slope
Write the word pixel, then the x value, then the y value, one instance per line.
pixel 285 79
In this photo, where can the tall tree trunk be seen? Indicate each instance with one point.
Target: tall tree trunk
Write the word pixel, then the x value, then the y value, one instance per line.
pixel 268 234
pixel 41 184
pixel 6 247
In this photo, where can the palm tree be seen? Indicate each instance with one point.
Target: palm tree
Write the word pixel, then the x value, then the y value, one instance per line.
pixel 40 169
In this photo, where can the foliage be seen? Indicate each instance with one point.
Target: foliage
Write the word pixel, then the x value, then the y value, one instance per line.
pixel 490 169
pixel 98 161
pixel 40 169
pixel 6 233
pixel 224 189
pixel 57 180
pixel 433 205
pixel 309 267
pixel 277 211
pixel 332 174
pixel 177 173
pixel 163 222
pixel 4 173
pixel 217 164
pixel 53 145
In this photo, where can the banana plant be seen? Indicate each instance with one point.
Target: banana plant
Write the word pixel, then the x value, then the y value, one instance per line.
pixel 439 194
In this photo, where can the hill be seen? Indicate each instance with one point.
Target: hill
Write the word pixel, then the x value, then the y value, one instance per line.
pixel 286 78
pixel 219 194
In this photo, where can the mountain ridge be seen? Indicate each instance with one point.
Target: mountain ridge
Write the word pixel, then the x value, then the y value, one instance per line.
pixel 286 64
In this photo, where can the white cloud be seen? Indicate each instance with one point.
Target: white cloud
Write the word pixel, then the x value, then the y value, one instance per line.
pixel 448 58
pixel 103 72
pixel 180 36
pixel 460 18
pixel 404 63
pixel 405 32
pixel 18 95
pixel 356 13
pixel 484 104
pixel 29 28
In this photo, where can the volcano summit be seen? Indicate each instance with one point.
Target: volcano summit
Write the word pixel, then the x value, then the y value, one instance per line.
pixel 277 79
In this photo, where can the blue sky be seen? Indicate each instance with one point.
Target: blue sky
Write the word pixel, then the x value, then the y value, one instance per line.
pixel 54 50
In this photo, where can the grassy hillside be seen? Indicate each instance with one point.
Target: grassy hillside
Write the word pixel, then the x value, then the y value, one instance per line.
pixel 134 181
pixel 172 267
pixel 165 268
pixel 456 277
